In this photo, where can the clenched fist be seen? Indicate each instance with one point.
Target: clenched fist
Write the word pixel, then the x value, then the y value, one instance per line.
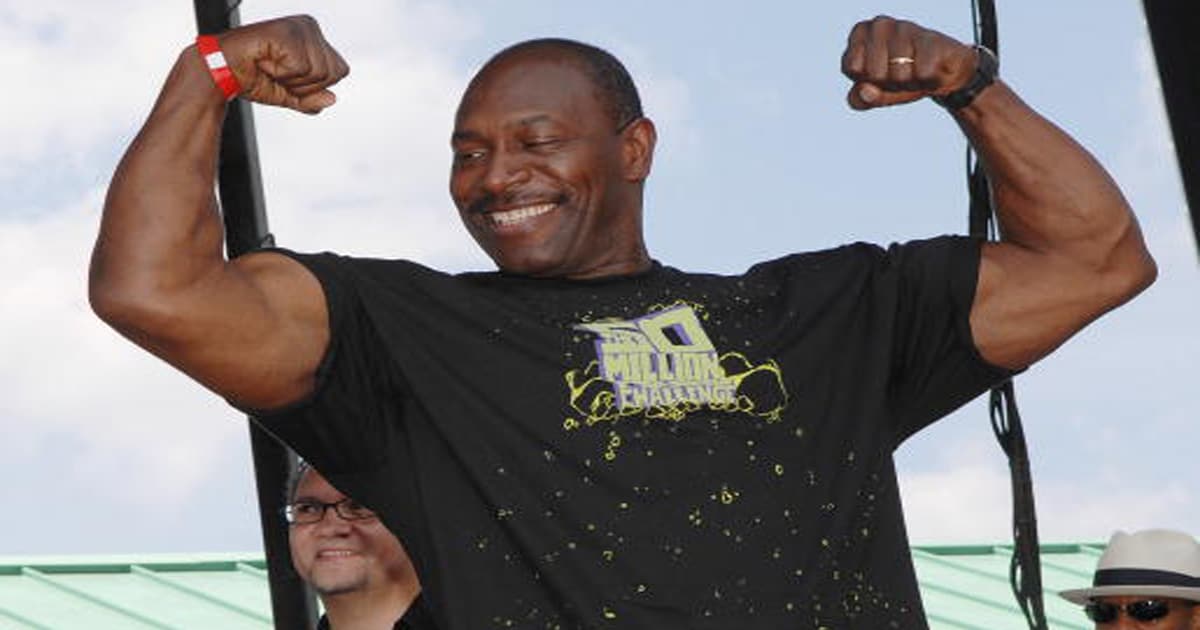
pixel 284 62
pixel 893 61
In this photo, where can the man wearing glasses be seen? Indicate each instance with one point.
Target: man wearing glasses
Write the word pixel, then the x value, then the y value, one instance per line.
pixel 1147 579
pixel 358 568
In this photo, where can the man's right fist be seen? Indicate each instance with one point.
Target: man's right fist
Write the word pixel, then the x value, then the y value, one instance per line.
pixel 284 62
pixel 895 61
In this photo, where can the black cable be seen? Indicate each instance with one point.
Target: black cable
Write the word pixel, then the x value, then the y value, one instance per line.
pixel 1024 572
pixel 1025 569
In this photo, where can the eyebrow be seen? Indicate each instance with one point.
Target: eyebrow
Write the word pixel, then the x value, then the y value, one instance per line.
pixel 537 118
pixel 308 498
pixel 461 135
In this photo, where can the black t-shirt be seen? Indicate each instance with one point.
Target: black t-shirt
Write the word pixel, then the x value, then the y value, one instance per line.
pixel 665 450
pixel 416 617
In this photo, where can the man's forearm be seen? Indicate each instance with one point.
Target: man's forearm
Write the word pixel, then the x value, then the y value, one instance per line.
pixel 161 229
pixel 1050 194
pixel 1070 247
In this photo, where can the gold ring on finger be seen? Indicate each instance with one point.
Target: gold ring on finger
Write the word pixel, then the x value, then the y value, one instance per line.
pixel 901 61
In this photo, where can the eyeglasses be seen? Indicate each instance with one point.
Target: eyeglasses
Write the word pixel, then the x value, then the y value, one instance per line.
pixel 1144 610
pixel 307 512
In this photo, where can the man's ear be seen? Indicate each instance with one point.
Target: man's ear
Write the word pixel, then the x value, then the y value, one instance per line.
pixel 637 146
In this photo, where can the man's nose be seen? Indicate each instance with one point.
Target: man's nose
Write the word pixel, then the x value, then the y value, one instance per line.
pixel 504 170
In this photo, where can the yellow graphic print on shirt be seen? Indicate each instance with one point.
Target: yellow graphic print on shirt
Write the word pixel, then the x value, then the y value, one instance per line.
pixel 664 366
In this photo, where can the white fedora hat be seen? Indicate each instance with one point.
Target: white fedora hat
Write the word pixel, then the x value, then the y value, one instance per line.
pixel 1154 562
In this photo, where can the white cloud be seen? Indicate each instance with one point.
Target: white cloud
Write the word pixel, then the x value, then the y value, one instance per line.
pixel 101 68
pixel 971 503
pixel 965 502
pixel 65 373
pixel 967 498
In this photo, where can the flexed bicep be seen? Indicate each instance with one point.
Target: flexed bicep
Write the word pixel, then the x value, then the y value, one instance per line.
pixel 253 329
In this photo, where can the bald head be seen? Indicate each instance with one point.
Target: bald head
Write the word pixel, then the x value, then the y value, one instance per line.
pixel 550 155
pixel 612 85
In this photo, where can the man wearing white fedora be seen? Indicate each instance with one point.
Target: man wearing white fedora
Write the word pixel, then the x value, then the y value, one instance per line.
pixel 1147 579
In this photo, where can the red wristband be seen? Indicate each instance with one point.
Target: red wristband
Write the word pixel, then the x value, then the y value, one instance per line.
pixel 210 50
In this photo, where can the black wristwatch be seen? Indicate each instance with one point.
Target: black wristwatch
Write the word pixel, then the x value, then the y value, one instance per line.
pixel 986 70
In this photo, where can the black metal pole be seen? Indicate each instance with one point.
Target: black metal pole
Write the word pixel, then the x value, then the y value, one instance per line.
pixel 1173 25
pixel 244 211
pixel 1025 568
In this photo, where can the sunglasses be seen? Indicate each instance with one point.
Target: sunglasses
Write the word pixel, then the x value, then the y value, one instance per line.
pixel 1144 610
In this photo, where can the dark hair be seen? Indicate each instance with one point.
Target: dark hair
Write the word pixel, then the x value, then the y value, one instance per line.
pixel 293 480
pixel 609 76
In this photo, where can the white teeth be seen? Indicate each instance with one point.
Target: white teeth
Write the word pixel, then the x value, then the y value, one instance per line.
pixel 510 217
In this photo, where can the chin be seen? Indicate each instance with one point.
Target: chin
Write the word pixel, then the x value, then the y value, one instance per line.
pixel 528 264
pixel 338 585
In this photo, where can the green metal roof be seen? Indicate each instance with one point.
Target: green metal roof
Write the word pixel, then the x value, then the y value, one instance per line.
pixel 963 587
pixel 208 591
pixel 967 586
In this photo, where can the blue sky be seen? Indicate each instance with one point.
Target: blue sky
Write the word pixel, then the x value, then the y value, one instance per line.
pixel 107 450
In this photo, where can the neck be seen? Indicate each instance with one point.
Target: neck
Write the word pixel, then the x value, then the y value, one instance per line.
pixel 636 263
pixel 369 610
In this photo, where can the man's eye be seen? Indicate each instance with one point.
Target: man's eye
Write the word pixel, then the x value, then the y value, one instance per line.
pixel 544 144
pixel 356 508
pixel 305 508
pixel 468 156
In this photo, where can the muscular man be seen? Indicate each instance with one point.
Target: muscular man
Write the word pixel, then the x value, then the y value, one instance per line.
pixel 358 568
pixel 588 437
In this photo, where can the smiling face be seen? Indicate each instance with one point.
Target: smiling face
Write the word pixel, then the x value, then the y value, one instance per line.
pixel 337 556
pixel 543 178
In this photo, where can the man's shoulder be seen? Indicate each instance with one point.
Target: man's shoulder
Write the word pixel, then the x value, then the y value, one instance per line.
pixel 328 265
pixel 830 259
pixel 862 252
pixel 858 262
pixel 350 260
